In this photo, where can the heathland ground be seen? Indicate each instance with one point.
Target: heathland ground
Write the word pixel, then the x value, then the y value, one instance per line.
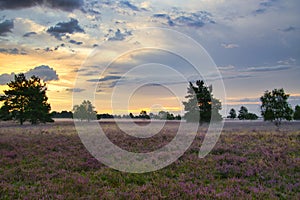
pixel 251 160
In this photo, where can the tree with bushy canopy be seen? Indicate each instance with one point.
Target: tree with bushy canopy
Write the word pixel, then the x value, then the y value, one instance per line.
pixel 85 111
pixel 201 104
pixel 245 115
pixel 297 113
pixel 232 114
pixel 26 100
pixel 275 106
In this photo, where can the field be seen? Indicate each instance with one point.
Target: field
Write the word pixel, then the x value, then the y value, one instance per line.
pixel 252 160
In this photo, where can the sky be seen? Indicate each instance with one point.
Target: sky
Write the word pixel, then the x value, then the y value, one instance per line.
pixel 130 55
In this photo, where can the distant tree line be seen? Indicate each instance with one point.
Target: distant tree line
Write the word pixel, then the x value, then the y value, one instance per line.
pixel 243 114
pixel 274 107
pixel 26 100
pixel 62 114
pixel 162 115
pixel 85 111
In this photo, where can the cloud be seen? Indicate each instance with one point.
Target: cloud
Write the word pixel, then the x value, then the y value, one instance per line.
pixel 29 34
pixel 263 6
pixel 289 61
pixel 260 11
pixel 13 51
pixel 230 46
pixel 268 68
pixel 106 78
pixel 247 100
pixel 44 72
pixel 76 90
pixel 62 28
pixel 6 78
pixel 65 5
pixel 294 97
pixel 181 18
pixel 127 4
pixel 75 42
pixel 229 67
pixel 6 26
pixel 118 35
pixel 289 29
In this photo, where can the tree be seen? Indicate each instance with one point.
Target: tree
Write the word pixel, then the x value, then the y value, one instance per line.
pixel 201 105
pixel 275 106
pixel 131 115
pixel 26 100
pixel 245 115
pixel 62 114
pixel 251 116
pixel 85 111
pixel 243 112
pixel 232 114
pixel 297 113
pixel 143 115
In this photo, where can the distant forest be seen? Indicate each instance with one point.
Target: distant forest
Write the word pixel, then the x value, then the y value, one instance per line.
pixel 162 115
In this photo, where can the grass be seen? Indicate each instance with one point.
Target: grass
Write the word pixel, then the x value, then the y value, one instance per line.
pixel 250 161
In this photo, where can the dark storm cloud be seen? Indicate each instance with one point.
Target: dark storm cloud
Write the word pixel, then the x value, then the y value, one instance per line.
pixel 179 18
pixel 118 35
pixel 44 72
pixel 66 5
pixel 62 28
pixel 6 26
pixel 29 34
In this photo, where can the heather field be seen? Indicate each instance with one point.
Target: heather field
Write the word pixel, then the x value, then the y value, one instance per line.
pixel 252 160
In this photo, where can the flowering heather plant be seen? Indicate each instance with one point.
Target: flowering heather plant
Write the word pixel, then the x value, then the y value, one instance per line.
pixel 252 161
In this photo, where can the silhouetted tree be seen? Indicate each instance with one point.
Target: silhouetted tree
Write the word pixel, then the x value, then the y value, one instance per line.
pixel 143 115
pixel 201 105
pixel 105 116
pixel 85 111
pixel 297 113
pixel 243 112
pixel 275 106
pixel 251 116
pixel 62 114
pixel 245 115
pixel 232 114
pixel 131 115
pixel 26 100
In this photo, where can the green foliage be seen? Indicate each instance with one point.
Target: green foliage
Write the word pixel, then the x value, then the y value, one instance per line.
pixel 232 114
pixel 62 114
pixel 26 100
pixel 201 106
pixel 85 111
pixel 245 115
pixel 164 115
pixel 275 106
pixel 297 113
